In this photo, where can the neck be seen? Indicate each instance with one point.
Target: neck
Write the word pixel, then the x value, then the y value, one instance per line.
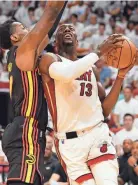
pixel 129 129
pixel 101 33
pixel 127 100
pixel 68 52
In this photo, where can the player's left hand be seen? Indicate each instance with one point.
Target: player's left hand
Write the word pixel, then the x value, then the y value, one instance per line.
pixel 110 43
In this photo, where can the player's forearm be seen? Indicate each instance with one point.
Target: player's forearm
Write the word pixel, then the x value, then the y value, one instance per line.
pixel 42 45
pixel 45 41
pixel 67 72
pixel 54 27
pixel 111 99
pixel 46 22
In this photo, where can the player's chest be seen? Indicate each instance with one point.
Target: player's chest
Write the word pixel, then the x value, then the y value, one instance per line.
pixel 83 86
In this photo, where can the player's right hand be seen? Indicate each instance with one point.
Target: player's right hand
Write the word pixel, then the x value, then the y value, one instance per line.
pixel 110 43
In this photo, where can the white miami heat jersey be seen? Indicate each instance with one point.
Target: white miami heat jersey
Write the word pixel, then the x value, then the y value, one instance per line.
pixel 77 103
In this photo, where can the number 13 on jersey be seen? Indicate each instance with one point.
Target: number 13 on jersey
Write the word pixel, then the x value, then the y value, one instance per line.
pixel 86 89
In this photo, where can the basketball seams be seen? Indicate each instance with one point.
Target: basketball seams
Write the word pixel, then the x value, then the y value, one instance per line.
pixel 120 55
pixel 130 50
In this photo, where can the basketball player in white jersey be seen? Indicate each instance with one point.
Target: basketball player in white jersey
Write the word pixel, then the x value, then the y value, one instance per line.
pixel 73 93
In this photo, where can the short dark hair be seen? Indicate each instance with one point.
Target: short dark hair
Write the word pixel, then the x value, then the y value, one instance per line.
pixel 5 33
pixel 102 24
pixel 31 9
pixel 128 114
pixel 75 15
pixel 128 87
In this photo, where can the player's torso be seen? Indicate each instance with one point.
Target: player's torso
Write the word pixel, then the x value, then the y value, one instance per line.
pixel 78 104
pixel 26 92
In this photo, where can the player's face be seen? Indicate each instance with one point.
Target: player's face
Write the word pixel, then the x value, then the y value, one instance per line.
pixel 18 32
pixel 127 145
pixel 66 35
pixel 135 150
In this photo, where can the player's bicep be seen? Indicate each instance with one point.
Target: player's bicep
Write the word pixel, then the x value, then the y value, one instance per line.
pixel 25 59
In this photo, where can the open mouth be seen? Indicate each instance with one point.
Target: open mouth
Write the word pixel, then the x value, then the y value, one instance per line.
pixel 67 36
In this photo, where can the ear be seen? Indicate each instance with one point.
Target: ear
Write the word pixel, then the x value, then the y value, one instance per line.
pixel 14 38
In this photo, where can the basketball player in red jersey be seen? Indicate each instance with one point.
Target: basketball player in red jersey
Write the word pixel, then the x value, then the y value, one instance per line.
pixel 24 139
pixel 73 92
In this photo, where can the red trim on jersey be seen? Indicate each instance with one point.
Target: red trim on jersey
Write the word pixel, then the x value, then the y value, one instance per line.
pixel 84 178
pixel 99 159
pixel 49 91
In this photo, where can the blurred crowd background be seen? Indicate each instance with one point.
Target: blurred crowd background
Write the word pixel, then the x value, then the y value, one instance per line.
pixel 94 21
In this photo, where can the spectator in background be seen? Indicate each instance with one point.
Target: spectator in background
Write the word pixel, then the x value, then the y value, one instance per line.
pixel 134 16
pixel 22 14
pixel 39 11
pixel 54 172
pixel 58 177
pixel 130 28
pixel 31 15
pixel 127 146
pixel 114 9
pixel 111 26
pixel 134 35
pixel 6 7
pixel 119 28
pixel 131 77
pixel 15 5
pixel 88 31
pixel 130 172
pixel 92 26
pixel 79 8
pixel 105 73
pixel 127 105
pixel 3 17
pixel 99 37
pixel 77 25
pixel 50 161
pixel 128 132
pixel 129 8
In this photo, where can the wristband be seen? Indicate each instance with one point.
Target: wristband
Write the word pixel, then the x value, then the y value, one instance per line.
pixel 122 77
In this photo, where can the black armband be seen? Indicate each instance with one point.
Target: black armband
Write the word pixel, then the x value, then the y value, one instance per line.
pixel 50 34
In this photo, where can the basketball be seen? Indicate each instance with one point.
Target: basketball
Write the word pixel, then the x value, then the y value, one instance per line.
pixel 121 57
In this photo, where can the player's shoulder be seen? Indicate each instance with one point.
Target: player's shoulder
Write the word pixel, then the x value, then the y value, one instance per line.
pixel 51 54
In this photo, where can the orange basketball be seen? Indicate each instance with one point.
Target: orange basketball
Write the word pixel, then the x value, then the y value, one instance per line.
pixel 122 57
